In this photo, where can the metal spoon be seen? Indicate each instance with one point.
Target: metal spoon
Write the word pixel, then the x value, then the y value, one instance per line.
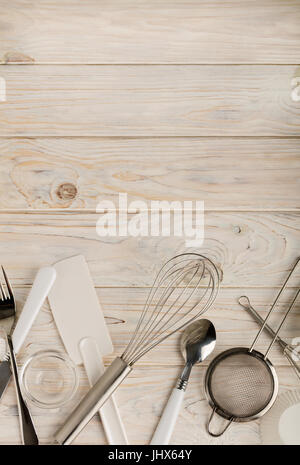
pixel 197 342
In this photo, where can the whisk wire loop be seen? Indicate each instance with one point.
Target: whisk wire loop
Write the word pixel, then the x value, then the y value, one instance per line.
pixel 163 299
pixel 157 282
pixel 154 330
pixel 142 324
pixel 177 290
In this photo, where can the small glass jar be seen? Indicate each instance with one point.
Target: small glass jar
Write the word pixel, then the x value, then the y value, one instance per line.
pixel 49 379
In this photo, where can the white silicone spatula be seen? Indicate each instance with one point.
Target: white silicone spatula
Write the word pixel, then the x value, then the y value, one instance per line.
pixel 80 322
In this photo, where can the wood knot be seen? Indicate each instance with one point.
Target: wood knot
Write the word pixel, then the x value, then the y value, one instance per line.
pixel 129 176
pixel 66 191
pixel 237 230
pixel 16 57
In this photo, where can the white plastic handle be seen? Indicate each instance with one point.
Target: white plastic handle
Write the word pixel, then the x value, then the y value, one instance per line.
pixel 109 413
pixel 168 419
pixel 41 286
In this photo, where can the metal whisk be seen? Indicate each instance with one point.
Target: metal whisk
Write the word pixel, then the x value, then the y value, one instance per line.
pixel 185 287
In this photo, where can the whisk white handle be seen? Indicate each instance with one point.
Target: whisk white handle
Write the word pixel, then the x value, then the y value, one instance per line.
pixel 168 419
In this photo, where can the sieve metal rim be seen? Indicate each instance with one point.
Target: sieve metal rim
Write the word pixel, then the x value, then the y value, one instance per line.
pixel 216 407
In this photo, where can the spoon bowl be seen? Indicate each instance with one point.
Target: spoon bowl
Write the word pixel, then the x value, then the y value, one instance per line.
pixel 198 341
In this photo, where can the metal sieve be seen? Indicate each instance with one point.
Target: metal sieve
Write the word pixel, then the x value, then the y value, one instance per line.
pixel 241 384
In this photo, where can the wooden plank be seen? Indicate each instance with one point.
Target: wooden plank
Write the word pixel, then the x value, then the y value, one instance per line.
pixel 142 396
pixel 141 399
pixel 76 173
pixel 218 31
pixel 122 308
pixel 149 101
pixel 251 249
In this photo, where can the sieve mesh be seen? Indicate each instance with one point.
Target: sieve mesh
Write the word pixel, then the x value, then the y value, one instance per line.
pixel 241 384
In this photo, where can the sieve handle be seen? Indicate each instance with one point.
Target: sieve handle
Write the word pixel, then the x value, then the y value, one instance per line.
pixel 216 435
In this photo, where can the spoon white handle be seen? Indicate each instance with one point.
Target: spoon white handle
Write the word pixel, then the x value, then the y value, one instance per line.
pixel 168 419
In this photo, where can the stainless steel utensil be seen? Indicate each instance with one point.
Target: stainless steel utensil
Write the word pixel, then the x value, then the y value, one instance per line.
pixel 241 384
pixel 185 283
pixel 289 350
pixel 197 342
pixel 8 310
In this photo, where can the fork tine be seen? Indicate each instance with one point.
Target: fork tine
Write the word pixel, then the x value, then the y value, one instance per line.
pixel 9 289
pixel 2 292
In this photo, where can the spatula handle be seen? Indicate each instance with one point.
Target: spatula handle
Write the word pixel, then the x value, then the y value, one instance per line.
pixel 109 413
pixel 40 289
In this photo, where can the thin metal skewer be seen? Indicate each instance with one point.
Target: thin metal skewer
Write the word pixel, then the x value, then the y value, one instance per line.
pixel 285 346
pixel 247 306
pixel 271 310
pixel 282 321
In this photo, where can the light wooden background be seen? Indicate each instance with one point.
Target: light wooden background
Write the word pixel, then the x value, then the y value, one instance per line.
pixel 162 99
